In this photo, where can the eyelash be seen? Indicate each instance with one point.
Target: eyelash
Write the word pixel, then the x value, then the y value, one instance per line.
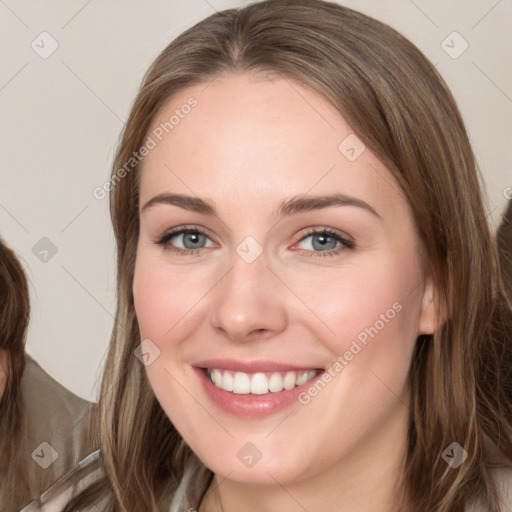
pixel 348 244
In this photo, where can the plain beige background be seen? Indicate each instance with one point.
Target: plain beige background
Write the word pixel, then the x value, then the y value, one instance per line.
pixel 61 117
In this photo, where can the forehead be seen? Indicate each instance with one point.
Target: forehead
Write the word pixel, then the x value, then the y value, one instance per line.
pixel 253 138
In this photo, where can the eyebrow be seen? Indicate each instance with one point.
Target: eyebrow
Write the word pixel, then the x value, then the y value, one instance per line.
pixel 293 205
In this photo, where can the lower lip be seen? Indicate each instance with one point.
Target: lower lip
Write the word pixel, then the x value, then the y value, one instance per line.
pixel 251 406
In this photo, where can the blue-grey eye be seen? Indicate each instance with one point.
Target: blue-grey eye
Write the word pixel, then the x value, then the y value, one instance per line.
pixel 191 239
pixel 321 242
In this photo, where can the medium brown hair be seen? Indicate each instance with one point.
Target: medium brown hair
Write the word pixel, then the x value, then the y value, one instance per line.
pixel 14 319
pixel 505 245
pixel 399 106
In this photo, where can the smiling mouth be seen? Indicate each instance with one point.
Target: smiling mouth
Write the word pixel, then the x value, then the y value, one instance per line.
pixel 259 383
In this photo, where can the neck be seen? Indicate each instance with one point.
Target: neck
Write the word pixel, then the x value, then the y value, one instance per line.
pixel 366 479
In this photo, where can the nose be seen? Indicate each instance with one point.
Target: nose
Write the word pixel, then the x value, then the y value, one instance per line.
pixel 249 302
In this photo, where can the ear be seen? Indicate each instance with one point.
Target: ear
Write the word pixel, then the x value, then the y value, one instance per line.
pixel 432 315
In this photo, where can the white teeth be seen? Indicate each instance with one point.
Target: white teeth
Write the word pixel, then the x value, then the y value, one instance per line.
pixel 275 383
pixel 258 383
pixel 241 384
pixel 302 378
pixel 289 380
pixel 227 381
pixel 217 378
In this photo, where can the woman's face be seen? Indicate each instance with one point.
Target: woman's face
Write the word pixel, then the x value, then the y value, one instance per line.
pixel 257 294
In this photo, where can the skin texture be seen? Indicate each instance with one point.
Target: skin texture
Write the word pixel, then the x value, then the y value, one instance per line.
pixel 252 142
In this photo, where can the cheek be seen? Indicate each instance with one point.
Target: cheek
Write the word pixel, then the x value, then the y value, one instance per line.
pixel 372 310
pixel 164 296
pixel 164 301
pixel 377 298
pixel 147 296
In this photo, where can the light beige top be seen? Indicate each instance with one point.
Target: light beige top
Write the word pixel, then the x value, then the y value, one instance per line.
pixel 53 440
pixel 86 472
pixel 89 470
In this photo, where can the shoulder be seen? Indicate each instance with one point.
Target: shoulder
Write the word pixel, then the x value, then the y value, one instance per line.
pixel 54 432
pixel 85 473
pixel 53 413
pixel 38 385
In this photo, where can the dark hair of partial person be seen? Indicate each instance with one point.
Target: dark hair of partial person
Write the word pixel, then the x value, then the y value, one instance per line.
pixel 14 319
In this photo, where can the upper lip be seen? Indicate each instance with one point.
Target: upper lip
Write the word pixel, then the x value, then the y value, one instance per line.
pixel 251 366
